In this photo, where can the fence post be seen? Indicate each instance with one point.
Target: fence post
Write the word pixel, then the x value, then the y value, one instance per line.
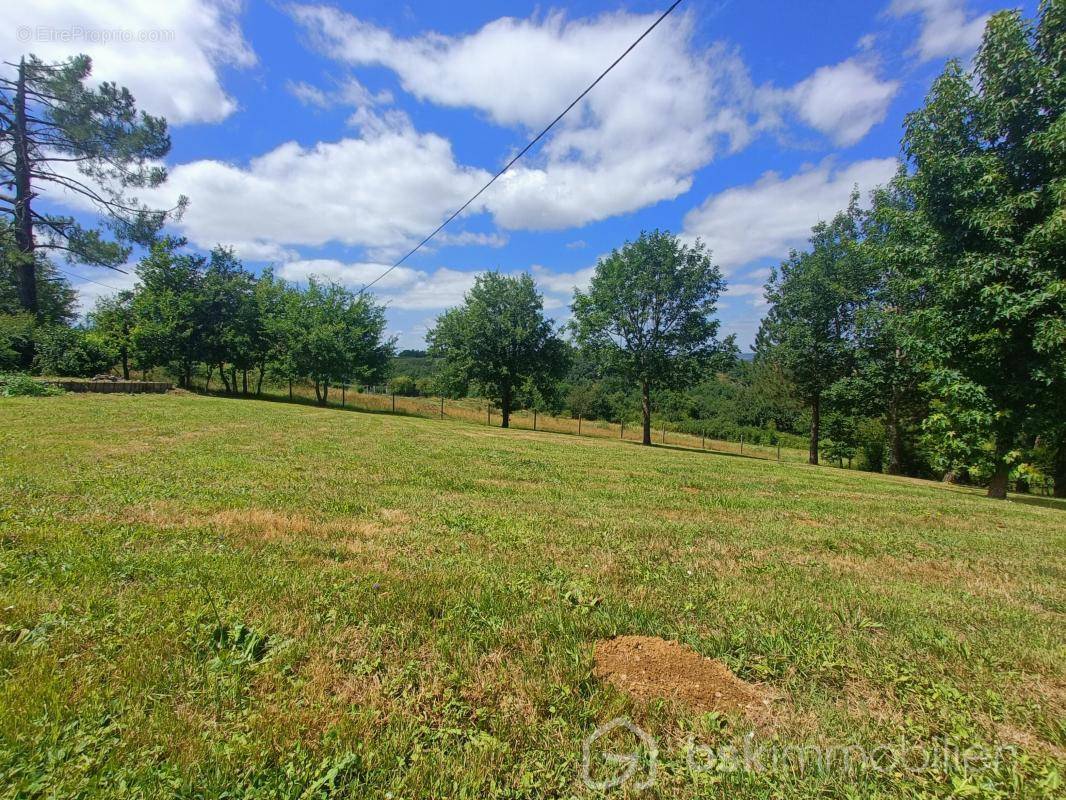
pixel 742 444
pixel 703 444
pixel 488 412
pixel 344 394
pixel 290 389
pixel 664 433
pixel 622 429
pixel 442 406
pixel 779 451
pixel 579 425
pixel 534 419
pixel 394 402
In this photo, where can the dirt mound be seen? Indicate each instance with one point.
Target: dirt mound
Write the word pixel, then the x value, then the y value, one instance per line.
pixel 647 667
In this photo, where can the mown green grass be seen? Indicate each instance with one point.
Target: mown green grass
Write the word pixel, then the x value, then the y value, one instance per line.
pixel 228 598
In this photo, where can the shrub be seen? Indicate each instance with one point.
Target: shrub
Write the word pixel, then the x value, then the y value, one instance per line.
pixel 71 352
pixel 17 384
pixel 16 337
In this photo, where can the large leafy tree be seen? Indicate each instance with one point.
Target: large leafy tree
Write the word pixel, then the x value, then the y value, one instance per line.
pixel 649 314
pixel 815 297
pixel 57 134
pixel 500 341
pixel 340 338
pixel 168 318
pixel 232 327
pixel 113 319
pixel 990 156
pixel 890 366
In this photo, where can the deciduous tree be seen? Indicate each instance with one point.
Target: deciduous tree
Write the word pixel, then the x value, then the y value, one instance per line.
pixel 649 314
pixel 499 340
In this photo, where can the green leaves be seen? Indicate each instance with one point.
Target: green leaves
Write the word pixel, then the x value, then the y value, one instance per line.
pixel 499 341
pixel 649 313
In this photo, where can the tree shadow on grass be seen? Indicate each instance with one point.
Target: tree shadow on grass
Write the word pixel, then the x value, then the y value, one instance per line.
pixel 1056 503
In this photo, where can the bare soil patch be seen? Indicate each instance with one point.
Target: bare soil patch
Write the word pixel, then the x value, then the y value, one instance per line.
pixel 650 668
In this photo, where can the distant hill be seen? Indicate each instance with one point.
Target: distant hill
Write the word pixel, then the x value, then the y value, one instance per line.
pixel 413 363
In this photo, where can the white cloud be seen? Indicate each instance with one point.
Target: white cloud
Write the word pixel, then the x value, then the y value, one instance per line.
pixel 167 53
pixel 767 218
pixel 946 30
pixel 349 92
pixel 843 101
pixel 383 190
pixel 637 139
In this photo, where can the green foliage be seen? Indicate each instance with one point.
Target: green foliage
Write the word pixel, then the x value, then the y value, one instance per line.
pixel 498 342
pixel 112 321
pixel 71 352
pixel 56 300
pixel 19 384
pixel 649 315
pixel 339 337
pixel 115 148
pixel 16 338
pixel 815 297
pixel 403 385
pixel 990 177
pixel 167 330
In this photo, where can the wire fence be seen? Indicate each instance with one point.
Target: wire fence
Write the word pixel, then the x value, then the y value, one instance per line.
pixel 479 411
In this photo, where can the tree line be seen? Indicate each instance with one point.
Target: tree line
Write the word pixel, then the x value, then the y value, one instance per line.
pixel 210 317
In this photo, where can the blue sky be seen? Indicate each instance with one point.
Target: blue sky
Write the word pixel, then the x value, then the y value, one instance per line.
pixel 328 139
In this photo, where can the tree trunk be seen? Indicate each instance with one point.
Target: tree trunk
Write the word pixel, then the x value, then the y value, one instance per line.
pixel 290 388
pixel 816 428
pixel 645 406
pixel 222 375
pixel 1060 469
pixel 244 382
pixel 895 440
pixel 997 487
pixel 505 408
pixel 27 265
pixel 210 372
pixel 325 392
pixel 259 381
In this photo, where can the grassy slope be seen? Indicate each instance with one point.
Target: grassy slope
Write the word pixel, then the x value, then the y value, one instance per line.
pixel 420 600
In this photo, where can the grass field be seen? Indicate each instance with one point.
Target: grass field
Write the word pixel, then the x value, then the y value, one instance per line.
pixel 206 597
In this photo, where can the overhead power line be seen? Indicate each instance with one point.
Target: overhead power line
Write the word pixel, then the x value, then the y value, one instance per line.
pixel 525 149
pixel 89 280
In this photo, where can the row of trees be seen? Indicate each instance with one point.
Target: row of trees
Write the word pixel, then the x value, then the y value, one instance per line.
pixel 210 315
pixel 942 308
pixel 648 317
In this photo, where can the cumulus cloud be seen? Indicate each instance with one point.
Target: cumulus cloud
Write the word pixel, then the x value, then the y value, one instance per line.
pixel 167 53
pixel 662 114
pixel 946 29
pixel 843 101
pixel 772 215
pixel 383 190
